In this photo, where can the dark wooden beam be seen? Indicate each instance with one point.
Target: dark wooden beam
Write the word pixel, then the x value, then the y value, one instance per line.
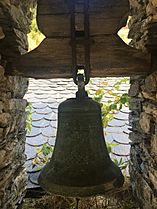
pixel 110 56
pixel 62 6
pixel 53 16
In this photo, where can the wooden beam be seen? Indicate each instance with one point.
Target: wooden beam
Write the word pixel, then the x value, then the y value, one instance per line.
pixel 59 25
pixel 104 17
pixel 62 6
pixel 110 56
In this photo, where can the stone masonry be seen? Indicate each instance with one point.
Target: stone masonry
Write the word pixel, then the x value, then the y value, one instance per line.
pixel 12 140
pixel 143 154
pixel 143 24
pixel 15 20
pixel 143 105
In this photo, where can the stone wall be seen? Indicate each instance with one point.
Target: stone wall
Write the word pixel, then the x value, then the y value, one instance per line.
pixel 143 105
pixel 143 119
pixel 143 24
pixel 15 19
pixel 12 138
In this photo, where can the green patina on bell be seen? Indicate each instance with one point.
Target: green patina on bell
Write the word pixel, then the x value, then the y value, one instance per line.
pixel 80 165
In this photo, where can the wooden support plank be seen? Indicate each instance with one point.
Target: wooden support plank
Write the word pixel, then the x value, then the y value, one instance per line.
pixel 59 25
pixel 53 17
pixel 62 6
pixel 51 59
pixel 111 52
pixel 110 56
pixel 53 7
pixel 54 25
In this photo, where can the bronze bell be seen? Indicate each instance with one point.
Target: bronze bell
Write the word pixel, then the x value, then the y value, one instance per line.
pixel 80 165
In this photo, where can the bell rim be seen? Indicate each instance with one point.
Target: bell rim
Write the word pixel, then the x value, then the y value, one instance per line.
pixel 89 191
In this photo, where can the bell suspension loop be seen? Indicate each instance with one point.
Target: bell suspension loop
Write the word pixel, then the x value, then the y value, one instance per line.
pixel 80 81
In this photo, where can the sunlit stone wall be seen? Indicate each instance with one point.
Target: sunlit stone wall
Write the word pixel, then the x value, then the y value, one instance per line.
pixel 143 105
pixel 15 20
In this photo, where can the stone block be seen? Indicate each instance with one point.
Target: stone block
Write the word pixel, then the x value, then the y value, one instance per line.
pixel 1 107
pixel 3 155
pixel 14 105
pixel 154 3
pixel 5 119
pixel 135 137
pixel 1 134
pixel 9 153
pixel 134 89
pixel 154 144
pixel 134 122
pixel 153 177
pixel 1 73
pixel 135 104
pixel 145 122
pixel 13 190
pixel 147 195
pixel 5 177
pixel 151 83
pixel 5 95
pixel 150 9
pixel 151 96
pixel 14 83
pixel 151 110
pixel 1 33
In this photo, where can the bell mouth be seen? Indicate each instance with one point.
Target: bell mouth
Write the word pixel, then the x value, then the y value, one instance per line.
pixel 108 184
pixel 102 189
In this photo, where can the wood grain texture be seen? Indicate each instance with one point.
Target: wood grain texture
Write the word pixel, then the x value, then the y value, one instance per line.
pixel 59 25
pixel 53 17
pixel 62 6
pixel 112 52
pixel 110 56
pixel 52 57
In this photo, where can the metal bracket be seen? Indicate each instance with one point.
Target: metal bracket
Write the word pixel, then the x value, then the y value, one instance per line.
pixel 75 39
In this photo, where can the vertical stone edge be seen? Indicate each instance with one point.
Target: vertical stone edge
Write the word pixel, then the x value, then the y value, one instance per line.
pixel 15 21
pixel 143 157
pixel 13 175
pixel 143 106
